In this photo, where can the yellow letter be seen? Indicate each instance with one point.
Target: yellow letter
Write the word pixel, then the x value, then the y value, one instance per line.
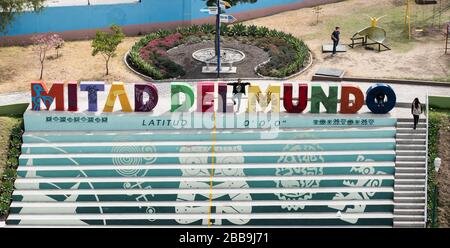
pixel 117 90
pixel 272 96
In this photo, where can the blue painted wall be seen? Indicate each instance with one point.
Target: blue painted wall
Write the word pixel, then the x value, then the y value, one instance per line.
pixel 59 19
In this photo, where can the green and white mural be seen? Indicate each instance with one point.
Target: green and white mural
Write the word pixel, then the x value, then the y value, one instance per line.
pixel 297 174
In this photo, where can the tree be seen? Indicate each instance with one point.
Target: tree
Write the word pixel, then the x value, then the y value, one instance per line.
pixel 317 10
pixel 106 44
pixel 57 42
pixel 10 8
pixel 42 44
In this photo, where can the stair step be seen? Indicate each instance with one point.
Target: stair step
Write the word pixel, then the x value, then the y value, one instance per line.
pixel 200 166
pixel 409 224
pixel 196 216
pixel 420 193
pixel 418 211
pixel 410 125
pixel 408 164
pixel 400 170
pixel 411 158
pixel 409 181
pixel 402 141
pixel 408 199
pixel 410 176
pixel 416 218
pixel 410 136
pixel 411 153
pixel 399 205
pixel 412 131
pixel 406 147
pixel 66 204
pixel 408 188
pixel 410 120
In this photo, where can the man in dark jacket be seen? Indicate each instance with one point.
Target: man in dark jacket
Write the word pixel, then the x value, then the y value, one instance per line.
pixel 238 90
pixel 335 37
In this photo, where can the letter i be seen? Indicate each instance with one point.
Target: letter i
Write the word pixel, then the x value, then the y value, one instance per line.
pixel 72 93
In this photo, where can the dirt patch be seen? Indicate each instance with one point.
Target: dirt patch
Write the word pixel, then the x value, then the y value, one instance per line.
pixel 421 58
pixel 443 178
pixel 254 56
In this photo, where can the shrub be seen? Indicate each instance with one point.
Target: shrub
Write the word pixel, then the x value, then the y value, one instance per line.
pixel 7 186
pixel 9 174
pixel 4 208
pixel 5 197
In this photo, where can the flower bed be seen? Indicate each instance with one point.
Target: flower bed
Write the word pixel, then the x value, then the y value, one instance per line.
pixel 148 56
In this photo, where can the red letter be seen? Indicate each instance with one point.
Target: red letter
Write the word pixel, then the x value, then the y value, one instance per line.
pixel 346 107
pixel 39 92
pixel 205 94
pixel 72 93
pixel 302 98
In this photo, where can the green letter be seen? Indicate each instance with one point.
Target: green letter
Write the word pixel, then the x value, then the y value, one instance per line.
pixel 176 89
pixel 329 102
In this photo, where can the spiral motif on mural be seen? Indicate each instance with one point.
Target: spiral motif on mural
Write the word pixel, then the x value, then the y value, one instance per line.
pixel 132 160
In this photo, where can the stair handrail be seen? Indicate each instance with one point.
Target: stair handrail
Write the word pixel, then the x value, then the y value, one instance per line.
pixel 426 158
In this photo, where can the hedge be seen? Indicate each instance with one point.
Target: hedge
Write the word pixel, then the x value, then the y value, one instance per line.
pixel 207 31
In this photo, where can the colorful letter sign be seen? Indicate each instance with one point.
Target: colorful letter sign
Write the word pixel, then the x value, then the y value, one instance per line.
pixel 380 98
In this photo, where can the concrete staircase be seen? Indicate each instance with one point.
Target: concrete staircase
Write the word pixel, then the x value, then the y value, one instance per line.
pixel 410 175
pixel 305 173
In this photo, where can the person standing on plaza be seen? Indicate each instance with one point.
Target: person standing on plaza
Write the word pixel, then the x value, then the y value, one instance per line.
pixel 238 91
pixel 416 111
pixel 335 37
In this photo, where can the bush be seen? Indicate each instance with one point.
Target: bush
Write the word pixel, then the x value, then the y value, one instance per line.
pixel 9 174
pixel 4 208
pixel 5 197
pixel 7 186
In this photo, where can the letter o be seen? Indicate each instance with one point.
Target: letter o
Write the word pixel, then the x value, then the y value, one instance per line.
pixel 373 92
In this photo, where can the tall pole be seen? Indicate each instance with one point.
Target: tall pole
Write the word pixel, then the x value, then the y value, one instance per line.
pixel 218 37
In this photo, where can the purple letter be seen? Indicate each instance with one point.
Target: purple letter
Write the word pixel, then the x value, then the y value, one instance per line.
pixel 139 104
pixel 92 88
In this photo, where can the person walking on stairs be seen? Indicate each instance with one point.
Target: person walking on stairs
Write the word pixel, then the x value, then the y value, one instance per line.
pixel 416 111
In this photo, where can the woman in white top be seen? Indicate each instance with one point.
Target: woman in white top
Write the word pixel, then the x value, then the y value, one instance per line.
pixel 416 111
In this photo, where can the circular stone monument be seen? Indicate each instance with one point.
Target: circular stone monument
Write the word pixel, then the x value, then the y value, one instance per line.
pixel 227 56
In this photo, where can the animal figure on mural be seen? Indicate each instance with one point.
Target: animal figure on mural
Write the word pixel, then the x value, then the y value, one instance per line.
pixel 220 171
pixel 358 208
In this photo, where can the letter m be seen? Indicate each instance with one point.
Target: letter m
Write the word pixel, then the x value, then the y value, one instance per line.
pixel 39 92
pixel 272 96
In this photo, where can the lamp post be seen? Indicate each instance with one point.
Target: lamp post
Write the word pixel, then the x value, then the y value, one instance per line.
pixel 437 166
pixel 218 37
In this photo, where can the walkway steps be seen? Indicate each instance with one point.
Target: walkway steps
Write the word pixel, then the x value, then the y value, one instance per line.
pixel 410 175
pixel 304 175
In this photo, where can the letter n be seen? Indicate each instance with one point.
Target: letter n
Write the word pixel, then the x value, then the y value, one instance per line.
pixel 329 102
